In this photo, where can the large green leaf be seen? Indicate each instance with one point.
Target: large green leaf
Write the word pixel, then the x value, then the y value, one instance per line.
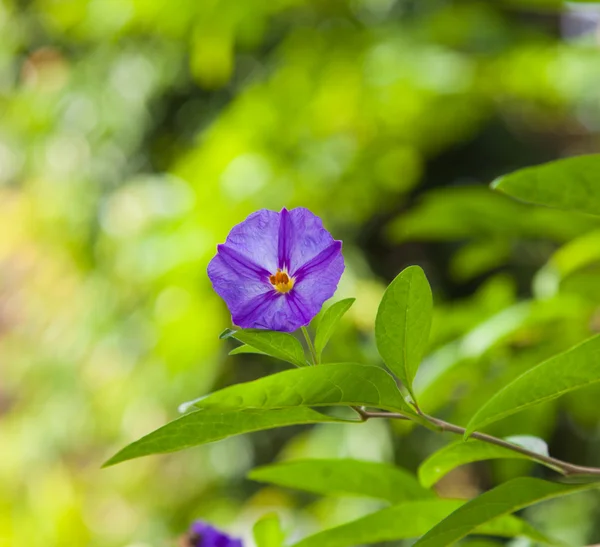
pixel 575 368
pixel 403 323
pixel 502 500
pixel 267 531
pixel 469 213
pixel 276 344
pixel 205 426
pixel 328 323
pixel 409 520
pixel 460 453
pixel 345 477
pixel 341 384
pixel 570 183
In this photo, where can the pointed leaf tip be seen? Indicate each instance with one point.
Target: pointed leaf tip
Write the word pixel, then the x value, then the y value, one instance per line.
pixel 227 333
pixel 209 425
pixel 496 182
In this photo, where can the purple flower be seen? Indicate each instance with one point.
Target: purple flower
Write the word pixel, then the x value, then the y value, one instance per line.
pixel 276 269
pixel 202 534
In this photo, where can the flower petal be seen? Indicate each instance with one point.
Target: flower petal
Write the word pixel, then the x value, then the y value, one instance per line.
pixel 236 289
pixel 319 281
pixel 304 235
pixel 320 262
pixel 202 534
pixel 242 265
pixel 257 238
pixel 254 310
pixel 274 311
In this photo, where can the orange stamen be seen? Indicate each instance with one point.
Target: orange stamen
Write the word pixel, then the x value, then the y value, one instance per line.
pixel 281 281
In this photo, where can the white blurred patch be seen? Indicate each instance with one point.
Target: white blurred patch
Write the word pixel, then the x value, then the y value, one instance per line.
pixel 581 22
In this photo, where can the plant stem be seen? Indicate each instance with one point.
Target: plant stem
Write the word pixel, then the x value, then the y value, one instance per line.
pixel 311 346
pixel 565 468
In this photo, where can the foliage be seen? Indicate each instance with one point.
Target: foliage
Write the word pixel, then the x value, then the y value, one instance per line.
pixel 135 134
pixel 402 330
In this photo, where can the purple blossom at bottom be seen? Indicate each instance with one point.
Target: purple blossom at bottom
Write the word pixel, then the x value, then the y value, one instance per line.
pixel 275 270
pixel 202 534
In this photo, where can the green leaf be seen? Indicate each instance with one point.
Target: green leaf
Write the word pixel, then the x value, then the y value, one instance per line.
pixel 344 477
pixel 329 322
pixel 267 531
pixel 460 453
pixel 575 368
pixel 245 348
pixel 201 427
pixel 403 323
pixel 467 213
pixel 506 498
pixel 570 183
pixel 409 520
pixel 341 384
pixel 276 344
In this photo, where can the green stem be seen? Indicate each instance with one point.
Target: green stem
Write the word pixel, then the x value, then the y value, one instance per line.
pixel 311 346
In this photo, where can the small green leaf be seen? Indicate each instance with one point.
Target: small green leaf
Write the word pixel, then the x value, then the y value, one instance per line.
pixel 201 427
pixel 276 344
pixel 502 500
pixel 267 531
pixel 341 384
pixel 570 183
pixel 329 322
pixel 245 348
pixel 408 520
pixel 575 368
pixel 403 323
pixel 344 477
pixel 460 453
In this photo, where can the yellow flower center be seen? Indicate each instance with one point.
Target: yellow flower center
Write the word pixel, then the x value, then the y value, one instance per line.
pixel 281 281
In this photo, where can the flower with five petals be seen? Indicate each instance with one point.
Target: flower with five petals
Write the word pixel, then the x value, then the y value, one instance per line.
pixel 275 270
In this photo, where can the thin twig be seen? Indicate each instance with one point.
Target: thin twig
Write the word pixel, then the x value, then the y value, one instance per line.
pixel 567 469
pixel 366 414
pixel 362 413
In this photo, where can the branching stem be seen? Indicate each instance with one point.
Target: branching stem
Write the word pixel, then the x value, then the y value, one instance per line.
pixel 565 468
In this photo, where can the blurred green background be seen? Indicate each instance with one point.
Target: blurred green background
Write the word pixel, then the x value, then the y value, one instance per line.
pixel 135 133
